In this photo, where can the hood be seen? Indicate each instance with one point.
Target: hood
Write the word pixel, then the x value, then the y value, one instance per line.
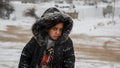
pixel 51 17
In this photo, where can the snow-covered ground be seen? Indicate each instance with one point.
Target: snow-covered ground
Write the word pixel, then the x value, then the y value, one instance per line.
pixel 96 39
pixel 97 27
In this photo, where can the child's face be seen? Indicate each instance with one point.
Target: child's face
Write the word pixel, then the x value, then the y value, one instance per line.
pixel 56 31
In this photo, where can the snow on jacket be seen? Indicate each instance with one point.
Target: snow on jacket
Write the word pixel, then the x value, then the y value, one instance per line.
pixel 63 50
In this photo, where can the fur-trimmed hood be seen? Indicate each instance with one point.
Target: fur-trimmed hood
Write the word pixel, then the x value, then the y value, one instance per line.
pixel 51 17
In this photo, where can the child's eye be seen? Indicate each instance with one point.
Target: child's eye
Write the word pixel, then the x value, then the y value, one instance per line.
pixel 61 30
pixel 54 28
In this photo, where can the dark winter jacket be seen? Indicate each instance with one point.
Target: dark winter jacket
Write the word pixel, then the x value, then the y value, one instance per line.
pixel 63 56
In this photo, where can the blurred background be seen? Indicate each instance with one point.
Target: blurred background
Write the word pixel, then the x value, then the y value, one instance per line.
pixel 95 34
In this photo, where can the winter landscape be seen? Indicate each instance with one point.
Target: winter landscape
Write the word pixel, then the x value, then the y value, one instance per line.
pixel 96 38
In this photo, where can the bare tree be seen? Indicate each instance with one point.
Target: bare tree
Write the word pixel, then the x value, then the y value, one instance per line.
pixel 31 13
pixel 5 10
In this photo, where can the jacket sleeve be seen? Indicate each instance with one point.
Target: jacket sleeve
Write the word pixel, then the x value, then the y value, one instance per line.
pixel 26 55
pixel 69 56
